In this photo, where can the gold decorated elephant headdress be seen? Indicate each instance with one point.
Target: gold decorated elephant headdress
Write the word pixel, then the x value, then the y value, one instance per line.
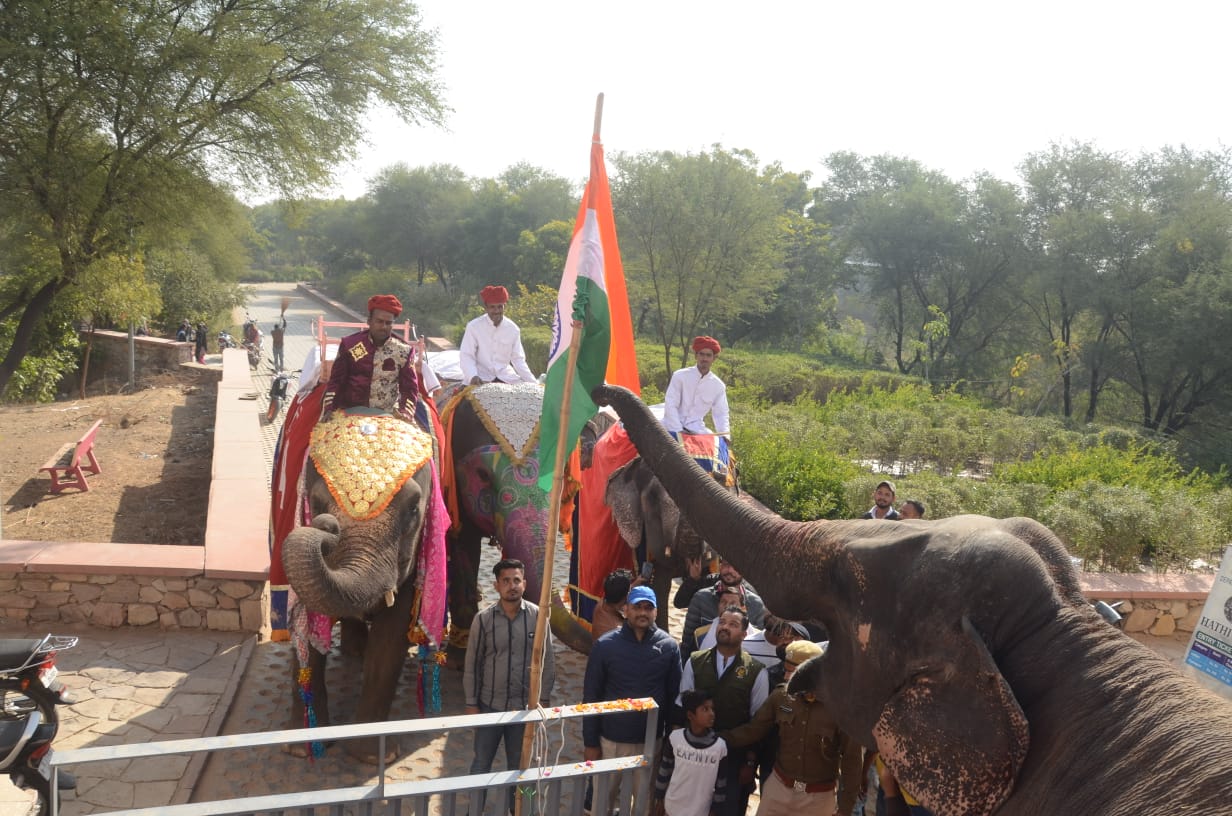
pixel 365 459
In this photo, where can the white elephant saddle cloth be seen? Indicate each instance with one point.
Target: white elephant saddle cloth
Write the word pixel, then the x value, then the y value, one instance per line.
pixel 366 457
pixel 510 412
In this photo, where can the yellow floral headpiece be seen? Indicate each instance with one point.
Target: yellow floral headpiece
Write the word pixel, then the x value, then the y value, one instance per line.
pixel 365 459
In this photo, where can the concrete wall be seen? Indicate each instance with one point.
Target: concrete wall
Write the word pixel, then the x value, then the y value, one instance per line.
pixel 222 585
pixel 109 354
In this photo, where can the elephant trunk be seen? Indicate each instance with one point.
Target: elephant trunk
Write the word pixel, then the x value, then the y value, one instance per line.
pixel 339 578
pixel 765 548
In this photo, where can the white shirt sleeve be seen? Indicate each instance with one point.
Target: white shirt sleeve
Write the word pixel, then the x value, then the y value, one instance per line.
pixel 468 353
pixel 671 403
pixel 761 690
pixel 430 381
pixel 718 412
pixel 686 679
pixel 519 360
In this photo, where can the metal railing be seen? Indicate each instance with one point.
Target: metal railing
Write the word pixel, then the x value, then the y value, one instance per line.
pixel 548 789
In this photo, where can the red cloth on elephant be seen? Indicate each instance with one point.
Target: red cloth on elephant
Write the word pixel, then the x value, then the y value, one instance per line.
pixel 600 547
pixel 286 508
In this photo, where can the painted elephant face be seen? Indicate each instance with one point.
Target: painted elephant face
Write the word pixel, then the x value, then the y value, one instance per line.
pixel 368 484
pixel 503 500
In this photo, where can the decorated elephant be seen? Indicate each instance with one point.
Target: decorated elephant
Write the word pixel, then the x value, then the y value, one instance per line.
pixel 642 512
pixel 964 651
pixel 492 433
pixel 372 554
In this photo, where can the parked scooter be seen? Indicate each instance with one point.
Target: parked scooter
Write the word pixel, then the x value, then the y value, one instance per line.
pixel 29 693
pixel 226 341
pixel 278 393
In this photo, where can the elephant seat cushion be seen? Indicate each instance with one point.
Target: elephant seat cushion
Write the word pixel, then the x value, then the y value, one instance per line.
pixel 509 412
pixel 365 458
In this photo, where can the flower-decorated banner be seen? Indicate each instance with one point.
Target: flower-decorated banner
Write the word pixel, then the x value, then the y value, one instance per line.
pixel 365 459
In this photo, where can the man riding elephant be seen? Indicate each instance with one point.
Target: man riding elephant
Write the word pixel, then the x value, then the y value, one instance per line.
pixel 376 369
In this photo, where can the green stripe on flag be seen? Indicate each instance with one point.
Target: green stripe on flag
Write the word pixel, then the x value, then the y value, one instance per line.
pixel 591 307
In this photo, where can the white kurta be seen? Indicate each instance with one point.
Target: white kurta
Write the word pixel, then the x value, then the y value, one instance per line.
pixel 493 352
pixel 690 396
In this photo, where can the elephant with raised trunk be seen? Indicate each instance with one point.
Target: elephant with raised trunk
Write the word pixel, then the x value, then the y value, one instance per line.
pixel 369 484
pixel 964 651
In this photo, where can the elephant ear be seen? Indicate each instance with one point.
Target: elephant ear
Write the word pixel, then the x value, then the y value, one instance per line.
pixel 954 735
pixel 623 497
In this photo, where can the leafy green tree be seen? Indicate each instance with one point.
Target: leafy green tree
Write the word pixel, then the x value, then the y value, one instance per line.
pixel 413 219
pixel 1072 194
pixel 112 116
pixel 541 254
pixel 698 239
pixel 522 198
pixel 926 251
pixel 1175 307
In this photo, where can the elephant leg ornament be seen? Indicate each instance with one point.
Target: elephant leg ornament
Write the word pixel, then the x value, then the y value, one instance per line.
pixel 312 697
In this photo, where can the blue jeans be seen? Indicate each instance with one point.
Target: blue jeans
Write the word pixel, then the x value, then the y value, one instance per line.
pixel 487 740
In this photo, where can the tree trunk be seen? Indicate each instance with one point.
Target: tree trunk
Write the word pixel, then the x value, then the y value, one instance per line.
pixel 85 363
pixel 30 317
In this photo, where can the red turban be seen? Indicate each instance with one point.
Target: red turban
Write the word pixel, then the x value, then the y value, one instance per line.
pixel 494 294
pixel 700 343
pixel 387 302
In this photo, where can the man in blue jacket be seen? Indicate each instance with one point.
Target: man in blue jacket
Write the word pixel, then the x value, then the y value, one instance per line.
pixel 637 660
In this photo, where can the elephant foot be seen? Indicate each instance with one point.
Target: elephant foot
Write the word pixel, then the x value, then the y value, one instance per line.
pixel 365 750
pixel 296 749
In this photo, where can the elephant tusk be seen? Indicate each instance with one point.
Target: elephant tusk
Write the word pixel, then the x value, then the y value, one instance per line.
pixel 389 597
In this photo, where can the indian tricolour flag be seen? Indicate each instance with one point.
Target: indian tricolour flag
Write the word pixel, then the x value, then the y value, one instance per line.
pixel 592 290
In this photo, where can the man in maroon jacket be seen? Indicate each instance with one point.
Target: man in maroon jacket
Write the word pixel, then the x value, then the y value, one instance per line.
pixel 374 369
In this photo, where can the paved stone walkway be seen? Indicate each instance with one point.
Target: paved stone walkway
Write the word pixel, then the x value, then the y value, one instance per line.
pixel 138 685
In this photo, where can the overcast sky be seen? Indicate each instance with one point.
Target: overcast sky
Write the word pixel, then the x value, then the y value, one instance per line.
pixel 961 87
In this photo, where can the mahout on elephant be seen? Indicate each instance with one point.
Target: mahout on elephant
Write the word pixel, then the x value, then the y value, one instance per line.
pixel 492 454
pixel 964 651
pixel 371 554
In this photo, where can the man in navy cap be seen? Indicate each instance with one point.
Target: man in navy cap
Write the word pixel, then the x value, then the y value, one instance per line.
pixel 637 660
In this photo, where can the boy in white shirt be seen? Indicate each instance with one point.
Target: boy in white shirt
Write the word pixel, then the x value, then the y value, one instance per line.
pixel 689 783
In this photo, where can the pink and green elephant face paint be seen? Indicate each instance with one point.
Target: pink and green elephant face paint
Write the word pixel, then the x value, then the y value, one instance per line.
pixel 504 500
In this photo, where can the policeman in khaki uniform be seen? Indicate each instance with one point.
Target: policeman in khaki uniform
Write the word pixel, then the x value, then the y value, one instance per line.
pixel 815 759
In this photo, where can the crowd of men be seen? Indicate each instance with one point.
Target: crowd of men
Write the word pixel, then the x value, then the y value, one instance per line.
pixel 730 726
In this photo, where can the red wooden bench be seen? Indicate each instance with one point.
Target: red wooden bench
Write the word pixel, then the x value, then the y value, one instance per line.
pixel 66 468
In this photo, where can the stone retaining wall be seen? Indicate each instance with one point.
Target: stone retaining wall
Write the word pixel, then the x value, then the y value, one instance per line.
pixel 1161 617
pixel 110 601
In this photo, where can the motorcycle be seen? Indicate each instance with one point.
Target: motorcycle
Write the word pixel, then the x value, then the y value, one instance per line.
pixel 252 342
pixel 29 693
pixel 278 393
pixel 226 341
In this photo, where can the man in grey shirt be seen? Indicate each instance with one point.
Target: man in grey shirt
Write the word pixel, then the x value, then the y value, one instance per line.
pixel 497 672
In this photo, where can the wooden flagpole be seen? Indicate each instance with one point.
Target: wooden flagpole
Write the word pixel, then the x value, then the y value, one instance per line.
pixel 549 550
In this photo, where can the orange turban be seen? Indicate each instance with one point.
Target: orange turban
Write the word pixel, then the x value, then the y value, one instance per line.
pixel 387 302
pixel 494 294
pixel 700 343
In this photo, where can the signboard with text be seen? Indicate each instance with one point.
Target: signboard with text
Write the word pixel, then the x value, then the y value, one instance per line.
pixel 1210 649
